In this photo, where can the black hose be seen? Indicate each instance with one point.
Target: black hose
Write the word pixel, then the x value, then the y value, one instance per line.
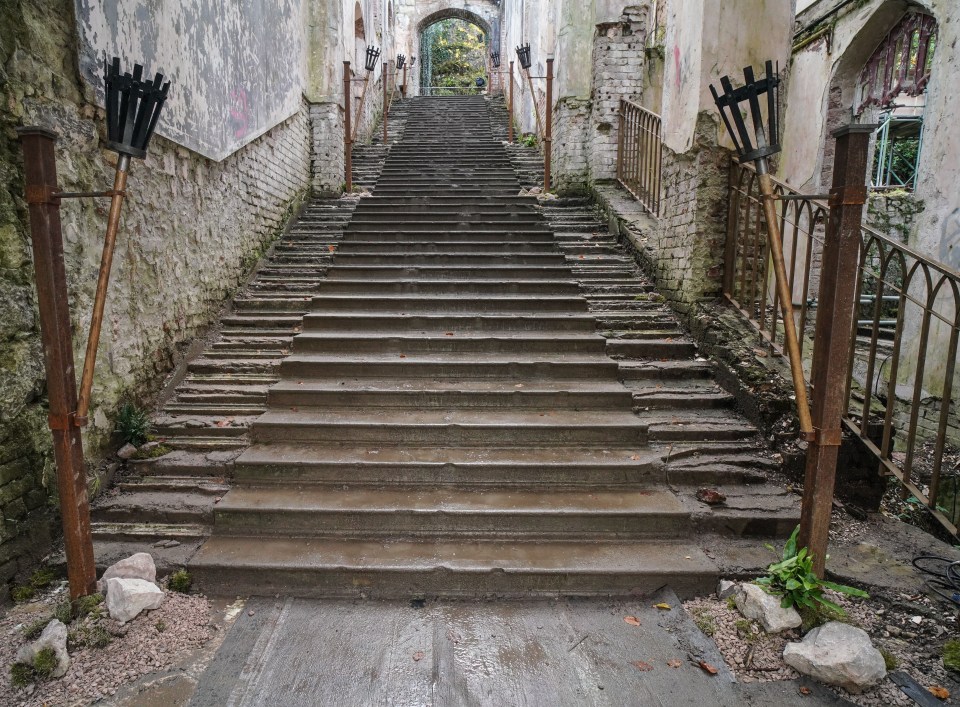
pixel 945 575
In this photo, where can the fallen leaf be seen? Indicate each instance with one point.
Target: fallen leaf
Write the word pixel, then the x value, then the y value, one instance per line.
pixel 674 663
pixel 941 693
pixel 642 665
pixel 707 667
pixel 449 333
pixel 418 655
pixel 403 355
pixel 711 497
pixel 634 457
pixel 331 248
pixel 804 690
pixel 632 620
pixel 662 605
pixel 581 257
pixel 225 422
pixel 518 385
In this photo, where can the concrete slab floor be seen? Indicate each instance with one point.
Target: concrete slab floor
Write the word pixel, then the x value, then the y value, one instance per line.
pixel 287 652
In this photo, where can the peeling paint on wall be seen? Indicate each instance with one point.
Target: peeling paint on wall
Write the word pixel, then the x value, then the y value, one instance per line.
pixel 236 69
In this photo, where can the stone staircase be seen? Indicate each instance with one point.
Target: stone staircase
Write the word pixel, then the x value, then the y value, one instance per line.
pixel 485 397
pixel 167 502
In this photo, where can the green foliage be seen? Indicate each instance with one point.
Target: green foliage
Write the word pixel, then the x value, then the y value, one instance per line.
pixel 457 51
pixel 35 629
pixel 793 579
pixel 153 452
pixel 890 661
pixel 731 602
pixel 528 140
pixel 42 578
pixel 90 604
pixel 747 629
pixel 161 626
pixel 22 675
pixel 705 622
pixel 45 662
pixel 63 612
pixel 133 424
pixel 951 655
pixel 89 636
pixel 180 581
pixel 22 594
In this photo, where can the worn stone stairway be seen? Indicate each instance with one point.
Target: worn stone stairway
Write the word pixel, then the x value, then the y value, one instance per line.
pixel 165 504
pixel 450 422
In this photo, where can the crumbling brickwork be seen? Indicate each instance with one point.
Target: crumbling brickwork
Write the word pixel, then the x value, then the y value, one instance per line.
pixel 618 72
pixel 191 230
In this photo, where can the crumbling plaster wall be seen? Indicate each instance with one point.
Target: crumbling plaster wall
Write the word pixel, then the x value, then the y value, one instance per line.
pixel 190 231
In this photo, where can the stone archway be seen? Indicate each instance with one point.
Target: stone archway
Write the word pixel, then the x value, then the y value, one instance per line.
pixel 415 16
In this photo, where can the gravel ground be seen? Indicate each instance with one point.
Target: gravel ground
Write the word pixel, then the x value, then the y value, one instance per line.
pixel 912 629
pixel 151 642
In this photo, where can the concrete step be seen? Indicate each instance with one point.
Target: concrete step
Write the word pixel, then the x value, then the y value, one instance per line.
pixel 429 323
pixel 404 569
pixel 419 344
pixel 451 512
pixel 412 466
pixel 462 394
pixel 450 427
pixel 409 304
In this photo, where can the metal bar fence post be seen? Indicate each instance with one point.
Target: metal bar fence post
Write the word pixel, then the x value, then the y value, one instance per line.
pixel 836 310
pixel 548 131
pixel 40 171
pixel 386 105
pixel 510 108
pixel 347 140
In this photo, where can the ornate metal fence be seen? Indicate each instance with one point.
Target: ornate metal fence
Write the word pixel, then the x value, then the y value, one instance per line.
pixel 903 382
pixel 640 154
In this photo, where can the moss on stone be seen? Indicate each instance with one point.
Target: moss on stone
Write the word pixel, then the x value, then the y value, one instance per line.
pixel 951 656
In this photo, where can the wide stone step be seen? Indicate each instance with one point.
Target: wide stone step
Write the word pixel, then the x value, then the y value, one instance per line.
pixel 511 242
pixel 486 286
pixel 403 305
pixel 320 568
pixel 450 512
pixel 516 368
pixel 417 259
pixel 559 323
pixel 409 466
pixel 463 343
pixel 460 394
pixel 503 271
pixel 450 427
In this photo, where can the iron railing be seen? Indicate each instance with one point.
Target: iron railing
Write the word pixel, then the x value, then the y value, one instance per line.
pixel 902 382
pixel 640 154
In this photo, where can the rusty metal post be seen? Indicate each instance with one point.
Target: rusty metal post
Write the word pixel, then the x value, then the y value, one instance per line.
pixel 386 105
pixel 510 108
pixel 548 130
pixel 347 139
pixel 784 294
pixel 103 281
pixel 835 312
pixel 40 171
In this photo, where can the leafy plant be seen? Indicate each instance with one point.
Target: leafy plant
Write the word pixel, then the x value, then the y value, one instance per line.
pixel 161 626
pixel 528 140
pixel 45 662
pixel 793 578
pixel 42 578
pixel 180 581
pixel 22 594
pixel 133 424
pixel 35 629
pixel 63 612
pixel 22 675
pixel 88 605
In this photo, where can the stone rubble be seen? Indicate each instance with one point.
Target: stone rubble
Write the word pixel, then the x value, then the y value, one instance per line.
pixel 126 598
pixel 137 566
pixel 837 654
pixel 754 603
pixel 54 636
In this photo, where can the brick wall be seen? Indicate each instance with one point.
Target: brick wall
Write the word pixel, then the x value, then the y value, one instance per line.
pixel 618 72
pixel 191 230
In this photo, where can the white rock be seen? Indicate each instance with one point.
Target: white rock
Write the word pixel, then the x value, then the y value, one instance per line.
pixel 138 566
pixel 126 451
pixel 837 654
pixel 726 588
pixel 54 636
pixel 754 603
pixel 126 598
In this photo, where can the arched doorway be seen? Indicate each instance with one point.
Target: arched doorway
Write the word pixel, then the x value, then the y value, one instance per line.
pixel 454 50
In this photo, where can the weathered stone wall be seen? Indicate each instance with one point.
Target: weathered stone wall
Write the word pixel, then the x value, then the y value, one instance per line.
pixel 191 229
pixel 618 72
pixel 688 241
pixel 893 214
pixel 571 157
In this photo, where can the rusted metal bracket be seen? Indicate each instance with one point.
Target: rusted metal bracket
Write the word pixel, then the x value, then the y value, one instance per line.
pixel 61 422
pixel 848 196
pixel 85 194
pixel 41 194
pixel 828 438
